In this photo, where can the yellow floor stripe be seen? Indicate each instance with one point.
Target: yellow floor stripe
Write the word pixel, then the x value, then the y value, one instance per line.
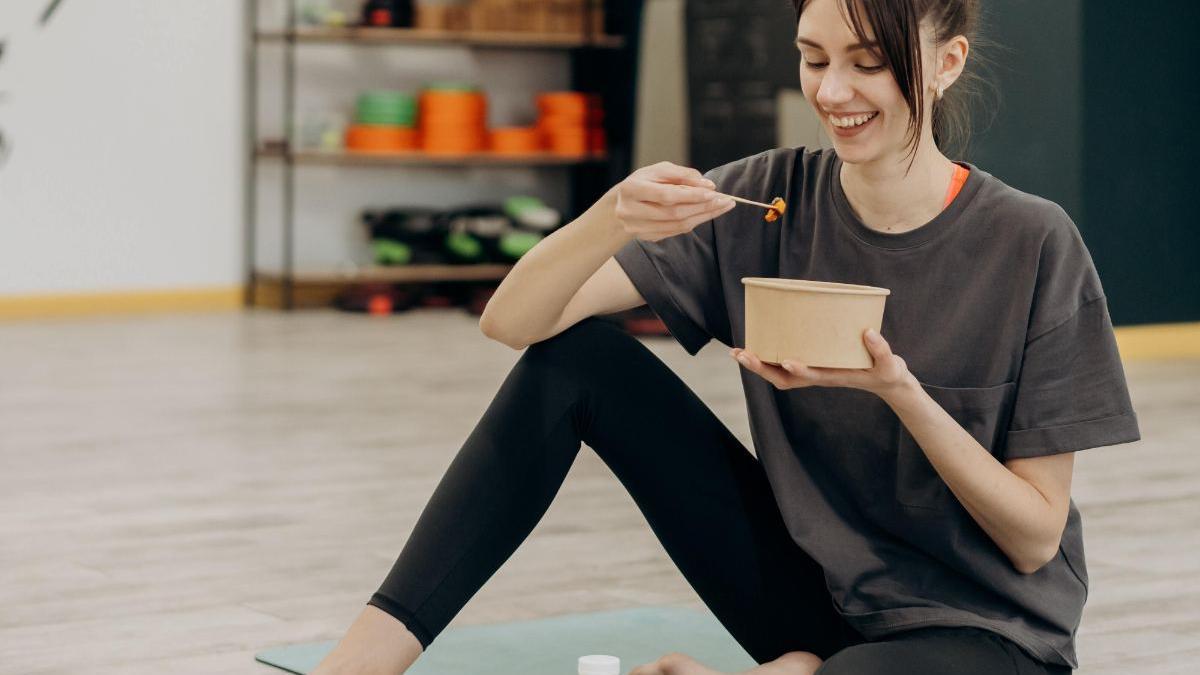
pixel 1151 341
pixel 124 302
pixel 1159 341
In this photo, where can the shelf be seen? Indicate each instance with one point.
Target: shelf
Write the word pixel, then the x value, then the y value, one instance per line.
pixel 593 57
pixel 343 158
pixel 397 274
pixel 397 36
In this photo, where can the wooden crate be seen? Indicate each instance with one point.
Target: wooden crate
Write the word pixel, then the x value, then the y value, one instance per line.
pixel 550 17
pixel 450 16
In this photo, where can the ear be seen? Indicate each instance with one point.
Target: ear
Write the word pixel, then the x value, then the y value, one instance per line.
pixel 951 59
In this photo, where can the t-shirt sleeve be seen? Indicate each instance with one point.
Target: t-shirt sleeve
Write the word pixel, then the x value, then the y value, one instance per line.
pixel 680 279
pixel 1071 390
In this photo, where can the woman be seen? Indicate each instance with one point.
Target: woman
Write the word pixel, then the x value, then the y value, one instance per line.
pixel 910 517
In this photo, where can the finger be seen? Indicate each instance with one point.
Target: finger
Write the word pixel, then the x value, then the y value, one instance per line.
pixel 669 228
pixel 810 376
pixel 645 212
pixel 711 213
pixel 817 376
pixel 677 173
pixel 770 373
pixel 676 213
pixel 876 344
pixel 673 193
pixel 839 377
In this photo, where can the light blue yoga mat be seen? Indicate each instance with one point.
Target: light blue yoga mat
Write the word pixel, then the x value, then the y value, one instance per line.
pixel 552 646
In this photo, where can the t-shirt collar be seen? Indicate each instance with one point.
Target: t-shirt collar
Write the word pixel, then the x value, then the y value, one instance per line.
pixel 939 224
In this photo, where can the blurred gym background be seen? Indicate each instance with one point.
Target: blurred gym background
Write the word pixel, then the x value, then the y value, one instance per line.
pixel 244 246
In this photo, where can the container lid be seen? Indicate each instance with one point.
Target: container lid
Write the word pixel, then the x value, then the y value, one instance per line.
pixel 599 664
pixel 814 286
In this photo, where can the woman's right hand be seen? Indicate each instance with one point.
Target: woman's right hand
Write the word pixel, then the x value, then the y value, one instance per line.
pixel 665 199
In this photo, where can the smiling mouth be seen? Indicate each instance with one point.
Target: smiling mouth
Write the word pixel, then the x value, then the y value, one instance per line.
pixel 851 121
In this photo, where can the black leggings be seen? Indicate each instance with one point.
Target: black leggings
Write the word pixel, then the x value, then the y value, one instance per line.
pixel 703 493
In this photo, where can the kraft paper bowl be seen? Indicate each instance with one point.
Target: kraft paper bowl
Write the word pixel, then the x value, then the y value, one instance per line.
pixel 814 323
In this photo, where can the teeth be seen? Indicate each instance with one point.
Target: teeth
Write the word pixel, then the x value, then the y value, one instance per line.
pixel 854 121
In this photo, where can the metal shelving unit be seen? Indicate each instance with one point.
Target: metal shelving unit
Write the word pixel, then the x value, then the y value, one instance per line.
pixel 425 159
pixel 594 56
pixel 397 36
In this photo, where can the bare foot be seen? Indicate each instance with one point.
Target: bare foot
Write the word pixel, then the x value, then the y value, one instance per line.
pixel 792 663
pixel 375 644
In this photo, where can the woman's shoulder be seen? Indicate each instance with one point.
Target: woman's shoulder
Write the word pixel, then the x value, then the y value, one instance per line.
pixel 1032 214
pixel 1045 237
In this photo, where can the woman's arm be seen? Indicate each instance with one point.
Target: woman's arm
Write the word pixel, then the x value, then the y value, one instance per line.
pixel 535 291
pixel 1021 504
pixel 534 300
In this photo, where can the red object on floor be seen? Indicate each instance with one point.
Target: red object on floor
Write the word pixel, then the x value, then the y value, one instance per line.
pixel 381 17
pixel 380 304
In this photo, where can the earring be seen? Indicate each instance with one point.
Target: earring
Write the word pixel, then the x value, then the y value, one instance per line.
pixel 938 95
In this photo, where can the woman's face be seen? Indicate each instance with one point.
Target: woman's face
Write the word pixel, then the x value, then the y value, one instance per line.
pixel 850 88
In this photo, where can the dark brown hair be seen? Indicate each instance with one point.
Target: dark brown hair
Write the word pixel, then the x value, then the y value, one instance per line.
pixel 896 24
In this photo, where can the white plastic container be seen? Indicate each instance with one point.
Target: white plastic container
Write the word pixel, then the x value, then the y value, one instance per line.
pixel 599 664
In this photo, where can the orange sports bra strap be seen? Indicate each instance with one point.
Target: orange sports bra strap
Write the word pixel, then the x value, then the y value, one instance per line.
pixel 956 182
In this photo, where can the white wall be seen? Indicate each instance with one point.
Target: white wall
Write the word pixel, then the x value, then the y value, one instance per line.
pixel 125 120
pixel 126 123
pixel 661 127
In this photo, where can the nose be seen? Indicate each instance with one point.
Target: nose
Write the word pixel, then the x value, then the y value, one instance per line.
pixel 833 92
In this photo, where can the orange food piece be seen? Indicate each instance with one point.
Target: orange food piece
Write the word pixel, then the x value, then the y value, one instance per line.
pixel 778 206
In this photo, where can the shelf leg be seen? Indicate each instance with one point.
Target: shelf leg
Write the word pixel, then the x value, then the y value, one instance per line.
pixel 250 205
pixel 289 168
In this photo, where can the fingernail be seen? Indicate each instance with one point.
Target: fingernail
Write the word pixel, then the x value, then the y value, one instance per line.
pixel 872 336
pixel 742 358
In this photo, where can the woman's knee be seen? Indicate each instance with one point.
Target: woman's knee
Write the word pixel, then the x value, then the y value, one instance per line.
pixel 587 331
pixel 590 343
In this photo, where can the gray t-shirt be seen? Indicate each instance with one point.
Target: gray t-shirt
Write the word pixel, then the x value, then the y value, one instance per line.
pixel 998 311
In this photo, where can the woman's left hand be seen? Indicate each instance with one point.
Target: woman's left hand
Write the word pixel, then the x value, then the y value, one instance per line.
pixel 888 376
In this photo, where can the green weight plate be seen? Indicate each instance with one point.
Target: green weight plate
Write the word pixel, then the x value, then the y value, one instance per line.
pixel 516 244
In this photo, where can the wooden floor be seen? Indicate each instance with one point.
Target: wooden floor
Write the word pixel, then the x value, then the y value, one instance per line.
pixel 177 493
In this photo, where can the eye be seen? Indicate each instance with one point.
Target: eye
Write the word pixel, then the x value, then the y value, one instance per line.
pixel 870 70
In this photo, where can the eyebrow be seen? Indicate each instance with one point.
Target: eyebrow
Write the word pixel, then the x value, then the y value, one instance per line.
pixel 854 47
